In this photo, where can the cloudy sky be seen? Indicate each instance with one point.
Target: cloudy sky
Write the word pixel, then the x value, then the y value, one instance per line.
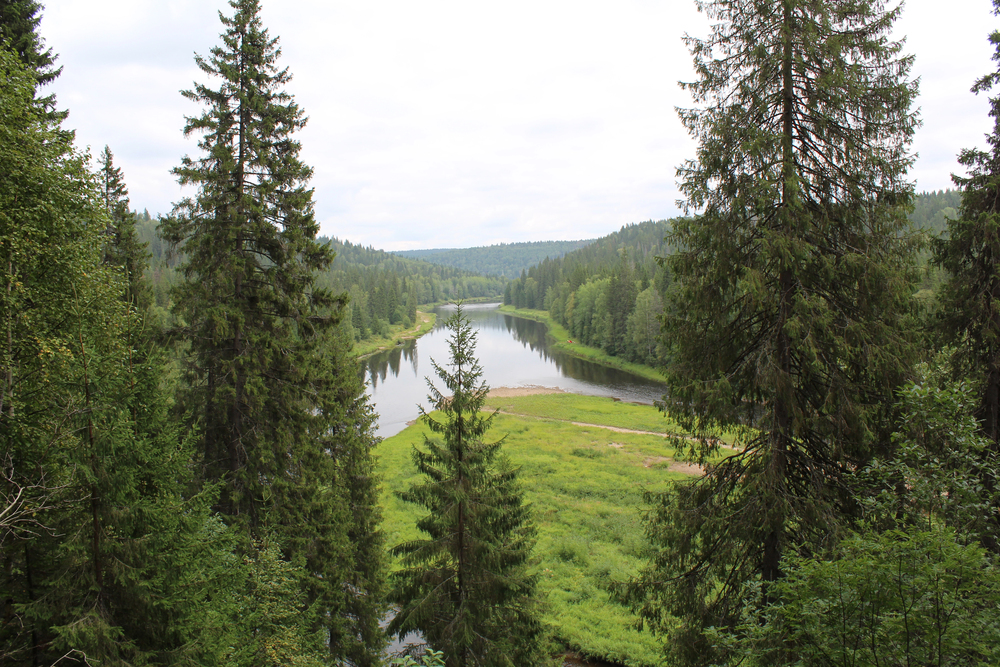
pixel 457 123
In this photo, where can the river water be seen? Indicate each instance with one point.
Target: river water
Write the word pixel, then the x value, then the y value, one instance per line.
pixel 512 351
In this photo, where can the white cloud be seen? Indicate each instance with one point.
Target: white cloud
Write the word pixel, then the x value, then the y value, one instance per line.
pixel 448 123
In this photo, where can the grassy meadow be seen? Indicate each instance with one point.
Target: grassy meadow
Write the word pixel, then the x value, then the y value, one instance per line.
pixel 585 483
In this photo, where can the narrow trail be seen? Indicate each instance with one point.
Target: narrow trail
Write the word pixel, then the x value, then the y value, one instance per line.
pixel 675 465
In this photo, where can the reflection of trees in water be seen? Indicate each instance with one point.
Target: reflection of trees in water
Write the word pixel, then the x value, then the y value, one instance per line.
pixel 378 366
pixel 588 371
pixel 529 333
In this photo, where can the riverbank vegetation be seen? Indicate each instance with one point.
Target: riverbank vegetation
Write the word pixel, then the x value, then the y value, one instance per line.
pixel 398 333
pixel 585 483
pixel 384 289
pixel 560 339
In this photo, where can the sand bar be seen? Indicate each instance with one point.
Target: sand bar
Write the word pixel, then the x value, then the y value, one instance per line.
pixel 530 390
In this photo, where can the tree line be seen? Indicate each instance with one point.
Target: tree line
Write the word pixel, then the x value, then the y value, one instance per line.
pixel 611 293
pixel 384 289
pixel 503 259
pixel 608 294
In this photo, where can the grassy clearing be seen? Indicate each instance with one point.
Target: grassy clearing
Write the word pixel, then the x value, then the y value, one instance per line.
pixel 561 339
pixel 425 323
pixel 592 410
pixel 586 486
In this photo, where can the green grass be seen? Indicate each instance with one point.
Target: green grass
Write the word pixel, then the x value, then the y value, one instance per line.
pixel 561 337
pixel 586 486
pixel 592 410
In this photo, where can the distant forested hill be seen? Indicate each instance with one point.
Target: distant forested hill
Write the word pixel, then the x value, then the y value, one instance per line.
pixel 610 293
pixel 384 288
pixel 505 259
pixel 932 209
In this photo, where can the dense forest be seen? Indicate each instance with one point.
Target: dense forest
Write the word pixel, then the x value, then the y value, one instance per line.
pixel 504 259
pixel 187 453
pixel 610 294
pixel 189 489
pixel 384 289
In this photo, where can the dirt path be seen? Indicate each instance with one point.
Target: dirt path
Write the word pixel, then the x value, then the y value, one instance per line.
pixel 675 466
pixel 409 333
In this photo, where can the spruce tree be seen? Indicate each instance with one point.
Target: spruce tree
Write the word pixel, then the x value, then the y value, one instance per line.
pixel 123 249
pixel 785 324
pixel 969 317
pixel 466 587
pixel 19 21
pixel 970 251
pixel 284 426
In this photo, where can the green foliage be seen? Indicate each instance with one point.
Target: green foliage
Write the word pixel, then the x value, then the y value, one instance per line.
pixel 19 20
pixel 431 658
pixel 503 259
pixel 386 289
pixel 893 598
pixel 102 563
pixel 939 446
pixel 590 531
pixel 466 587
pixel 970 315
pixel 932 210
pixel 787 321
pixel 284 426
pixel 594 292
pixel 906 587
pixel 123 249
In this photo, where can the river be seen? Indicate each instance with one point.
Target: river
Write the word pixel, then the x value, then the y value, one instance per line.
pixel 512 351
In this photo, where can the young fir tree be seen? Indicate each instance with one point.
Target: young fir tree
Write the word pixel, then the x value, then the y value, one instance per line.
pixel 123 249
pixel 785 325
pixel 466 587
pixel 284 426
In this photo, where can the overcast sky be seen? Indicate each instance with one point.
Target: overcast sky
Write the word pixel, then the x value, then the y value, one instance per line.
pixel 458 123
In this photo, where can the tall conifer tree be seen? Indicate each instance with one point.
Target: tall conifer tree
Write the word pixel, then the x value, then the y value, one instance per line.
pixel 19 21
pixel 283 420
pixel 969 318
pixel 466 587
pixel 123 249
pixel 970 252
pixel 785 325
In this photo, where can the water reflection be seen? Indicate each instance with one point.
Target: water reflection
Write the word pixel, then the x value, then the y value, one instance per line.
pixel 513 352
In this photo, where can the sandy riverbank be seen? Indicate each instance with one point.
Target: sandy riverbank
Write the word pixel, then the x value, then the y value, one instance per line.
pixel 531 390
